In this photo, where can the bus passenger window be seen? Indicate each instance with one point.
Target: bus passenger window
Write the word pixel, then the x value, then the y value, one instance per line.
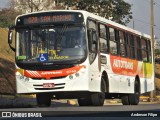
pixel 149 51
pixel 103 38
pixel 132 46
pixel 122 44
pixel 144 50
pixel 113 42
pixel 139 50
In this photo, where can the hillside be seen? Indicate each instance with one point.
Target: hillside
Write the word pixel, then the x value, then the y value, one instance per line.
pixel 7 67
pixel 157 79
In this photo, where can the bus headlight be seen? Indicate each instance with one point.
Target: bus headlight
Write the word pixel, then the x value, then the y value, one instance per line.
pixel 26 79
pixel 71 77
pixel 77 74
pixel 21 77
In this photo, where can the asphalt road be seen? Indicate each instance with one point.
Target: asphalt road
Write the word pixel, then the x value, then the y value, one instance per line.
pixel 62 109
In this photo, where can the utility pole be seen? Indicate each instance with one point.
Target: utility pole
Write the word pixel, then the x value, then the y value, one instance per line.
pixel 152 93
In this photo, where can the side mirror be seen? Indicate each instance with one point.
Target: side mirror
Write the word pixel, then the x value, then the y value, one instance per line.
pixel 10 36
pixel 10 33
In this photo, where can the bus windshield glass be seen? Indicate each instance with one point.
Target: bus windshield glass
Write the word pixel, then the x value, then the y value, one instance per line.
pixel 52 43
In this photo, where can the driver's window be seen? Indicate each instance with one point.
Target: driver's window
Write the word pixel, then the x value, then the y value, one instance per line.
pixel 92 37
pixel 92 40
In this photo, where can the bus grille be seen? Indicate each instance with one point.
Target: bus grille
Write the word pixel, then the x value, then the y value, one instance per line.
pixel 57 86
pixel 50 78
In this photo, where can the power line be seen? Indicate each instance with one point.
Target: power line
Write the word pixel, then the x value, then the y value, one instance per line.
pixel 157 28
pixel 155 3
pixel 144 22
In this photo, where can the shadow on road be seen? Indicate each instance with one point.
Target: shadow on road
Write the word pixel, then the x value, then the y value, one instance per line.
pixel 20 102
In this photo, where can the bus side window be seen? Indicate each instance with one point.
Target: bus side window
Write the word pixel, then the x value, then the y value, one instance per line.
pixel 122 44
pixel 139 50
pixel 132 46
pixel 144 50
pixel 113 41
pixel 149 51
pixel 128 45
pixel 92 38
pixel 103 38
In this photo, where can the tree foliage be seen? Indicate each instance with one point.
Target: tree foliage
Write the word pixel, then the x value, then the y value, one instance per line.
pixel 116 10
pixel 27 6
pixel 7 17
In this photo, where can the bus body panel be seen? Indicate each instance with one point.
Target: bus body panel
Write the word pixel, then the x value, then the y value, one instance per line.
pixel 76 83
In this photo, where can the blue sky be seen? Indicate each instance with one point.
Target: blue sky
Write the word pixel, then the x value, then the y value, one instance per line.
pixel 141 15
pixel 4 3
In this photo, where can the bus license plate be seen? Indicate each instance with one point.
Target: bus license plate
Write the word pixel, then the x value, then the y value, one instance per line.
pixel 48 85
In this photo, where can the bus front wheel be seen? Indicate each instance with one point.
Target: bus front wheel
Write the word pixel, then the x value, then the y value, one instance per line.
pixel 85 101
pixel 43 99
pixel 98 98
pixel 94 99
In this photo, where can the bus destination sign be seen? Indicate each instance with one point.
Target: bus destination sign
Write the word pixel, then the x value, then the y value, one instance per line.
pixel 49 19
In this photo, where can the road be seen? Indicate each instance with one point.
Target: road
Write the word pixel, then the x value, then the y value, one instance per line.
pixel 61 108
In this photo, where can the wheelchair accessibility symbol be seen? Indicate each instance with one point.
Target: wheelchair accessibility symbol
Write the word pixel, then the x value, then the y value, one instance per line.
pixel 43 57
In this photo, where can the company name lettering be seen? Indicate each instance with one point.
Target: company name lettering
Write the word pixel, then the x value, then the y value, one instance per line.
pixel 123 64
pixel 51 73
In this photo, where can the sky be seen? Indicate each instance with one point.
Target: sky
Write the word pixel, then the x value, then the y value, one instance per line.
pixel 4 3
pixel 141 15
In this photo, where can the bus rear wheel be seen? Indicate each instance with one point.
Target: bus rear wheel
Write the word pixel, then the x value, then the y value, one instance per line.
pixel 43 99
pixel 125 100
pixel 134 98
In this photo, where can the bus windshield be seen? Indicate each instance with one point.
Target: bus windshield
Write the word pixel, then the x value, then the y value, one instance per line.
pixel 52 43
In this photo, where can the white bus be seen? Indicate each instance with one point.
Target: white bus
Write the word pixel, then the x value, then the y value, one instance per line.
pixel 74 54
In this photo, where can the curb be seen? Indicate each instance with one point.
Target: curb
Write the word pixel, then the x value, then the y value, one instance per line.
pixel 113 101
pixel 72 102
pixel 17 96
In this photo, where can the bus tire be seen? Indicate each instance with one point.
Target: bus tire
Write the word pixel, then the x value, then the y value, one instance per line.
pixel 98 98
pixel 43 99
pixel 84 101
pixel 134 98
pixel 125 100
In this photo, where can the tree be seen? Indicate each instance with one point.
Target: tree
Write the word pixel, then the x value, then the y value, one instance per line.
pixel 7 17
pixel 27 6
pixel 115 10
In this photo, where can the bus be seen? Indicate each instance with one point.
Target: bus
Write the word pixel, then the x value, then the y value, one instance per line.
pixel 74 54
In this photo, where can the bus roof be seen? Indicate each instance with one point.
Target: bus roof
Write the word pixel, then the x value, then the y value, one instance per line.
pixel 99 18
